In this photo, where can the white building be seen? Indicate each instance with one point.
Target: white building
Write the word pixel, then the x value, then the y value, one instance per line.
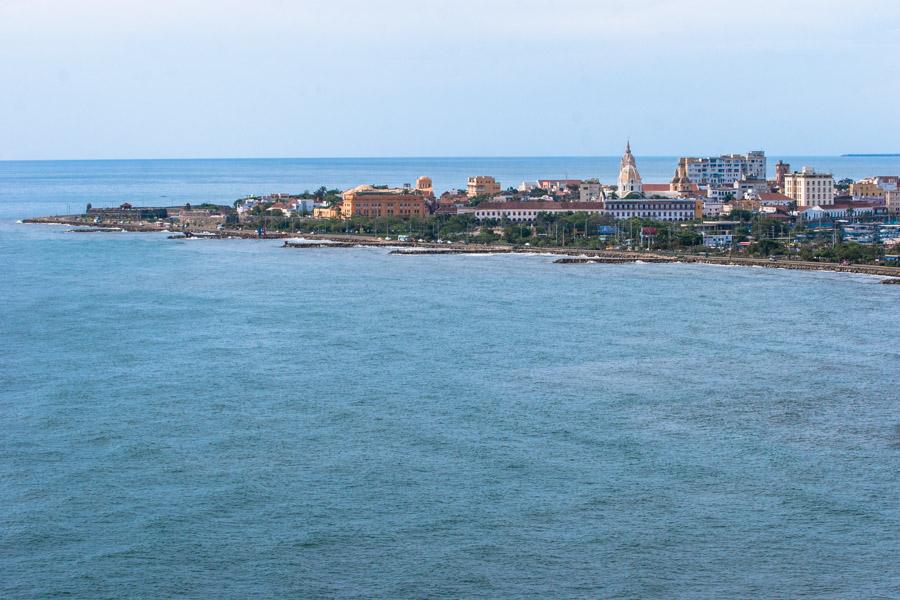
pixel 726 169
pixel 303 206
pixel 720 192
pixel 528 211
pixel 713 208
pixel 809 188
pixel 749 184
pixel 830 211
pixel 717 240
pixel 245 206
pixel 590 191
pixel 659 209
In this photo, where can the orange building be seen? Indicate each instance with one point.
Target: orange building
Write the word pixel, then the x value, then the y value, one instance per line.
pixel 370 201
pixel 482 185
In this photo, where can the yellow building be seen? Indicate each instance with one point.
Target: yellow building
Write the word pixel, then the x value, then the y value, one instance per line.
pixel 370 201
pixel 482 185
pixel 327 212
pixel 809 188
pixel 866 188
pixel 892 200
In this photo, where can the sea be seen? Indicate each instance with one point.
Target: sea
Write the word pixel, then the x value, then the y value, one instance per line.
pixel 234 419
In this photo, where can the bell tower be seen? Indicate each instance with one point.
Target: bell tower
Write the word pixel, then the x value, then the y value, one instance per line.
pixel 681 184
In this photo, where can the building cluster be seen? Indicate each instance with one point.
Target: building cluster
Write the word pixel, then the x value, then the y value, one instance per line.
pixel 275 204
pixel 701 187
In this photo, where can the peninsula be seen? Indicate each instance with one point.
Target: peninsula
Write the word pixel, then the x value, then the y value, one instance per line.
pixel 714 209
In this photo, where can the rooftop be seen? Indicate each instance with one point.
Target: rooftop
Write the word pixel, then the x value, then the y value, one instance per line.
pixel 541 206
pixel 371 190
pixel 774 196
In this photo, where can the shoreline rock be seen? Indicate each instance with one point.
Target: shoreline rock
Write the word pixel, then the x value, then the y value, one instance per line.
pixel 568 255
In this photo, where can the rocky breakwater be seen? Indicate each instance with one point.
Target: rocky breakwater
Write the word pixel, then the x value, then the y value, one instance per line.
pixel 343 242
pixel 797 265
pixel 612 260
pixel 322 244
pixel 572 255
pixel 615 258
pixel 88 225
pixel 435 249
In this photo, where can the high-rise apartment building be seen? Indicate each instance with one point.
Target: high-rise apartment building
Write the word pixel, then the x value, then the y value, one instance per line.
pixel 809 188
pixel 726 169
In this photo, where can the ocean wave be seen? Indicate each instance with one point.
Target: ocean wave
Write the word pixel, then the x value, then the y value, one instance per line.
pixel 302 240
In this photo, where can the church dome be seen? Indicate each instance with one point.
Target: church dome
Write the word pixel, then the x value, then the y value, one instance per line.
pixel 629 177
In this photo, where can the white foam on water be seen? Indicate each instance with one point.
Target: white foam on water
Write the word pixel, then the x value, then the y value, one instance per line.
pixel 302 240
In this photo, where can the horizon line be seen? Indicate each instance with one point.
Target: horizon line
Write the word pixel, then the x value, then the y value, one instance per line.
pixel 429 157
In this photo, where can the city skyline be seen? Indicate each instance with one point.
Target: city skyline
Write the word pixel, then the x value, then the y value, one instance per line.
pixel 449 298
pixel 344 79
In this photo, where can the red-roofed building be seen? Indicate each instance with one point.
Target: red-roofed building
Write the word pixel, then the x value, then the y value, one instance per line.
pixel 282 207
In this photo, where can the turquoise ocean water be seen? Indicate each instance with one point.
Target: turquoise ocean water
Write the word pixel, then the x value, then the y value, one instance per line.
pixel 232 419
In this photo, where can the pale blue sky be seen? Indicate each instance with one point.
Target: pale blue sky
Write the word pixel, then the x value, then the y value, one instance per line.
pixel 205 78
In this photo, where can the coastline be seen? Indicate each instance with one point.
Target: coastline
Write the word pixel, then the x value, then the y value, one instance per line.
pixel 567 255
pixel 584 256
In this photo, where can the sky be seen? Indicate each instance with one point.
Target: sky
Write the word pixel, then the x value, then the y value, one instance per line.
pixel 84 79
